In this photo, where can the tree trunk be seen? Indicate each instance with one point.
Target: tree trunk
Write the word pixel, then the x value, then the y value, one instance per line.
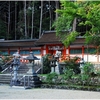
pixel 8 21
pixel 50 16
pixel 32 20
pixel 15 17
pixel 57 7
pixel 74 24
pixel 29 19
pixel 41 19
pixel 25 19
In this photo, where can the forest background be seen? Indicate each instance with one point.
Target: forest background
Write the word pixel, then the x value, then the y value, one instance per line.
pixel 30 19
pixel 26 19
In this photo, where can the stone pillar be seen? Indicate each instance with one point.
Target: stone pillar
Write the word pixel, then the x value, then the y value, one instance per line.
pixel 57 67
pixel 57 56
pixel 52 69
pixel 82 65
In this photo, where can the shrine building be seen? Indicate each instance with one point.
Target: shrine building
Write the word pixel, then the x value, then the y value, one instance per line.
pixel 48 44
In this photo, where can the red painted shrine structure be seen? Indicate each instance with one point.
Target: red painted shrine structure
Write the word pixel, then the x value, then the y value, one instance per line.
pixel 48 44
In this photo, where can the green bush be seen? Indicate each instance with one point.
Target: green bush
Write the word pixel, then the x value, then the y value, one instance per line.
pixel 71 63
pixel 46 64
pixel 68 73
pixel 88 68
pixel 87 71
pixel 51 77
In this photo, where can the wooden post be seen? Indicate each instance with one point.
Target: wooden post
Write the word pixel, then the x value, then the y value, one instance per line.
pixel 82 51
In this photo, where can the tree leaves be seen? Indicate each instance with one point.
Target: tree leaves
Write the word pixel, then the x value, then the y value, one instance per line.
pixel 70 38
pixel 88 14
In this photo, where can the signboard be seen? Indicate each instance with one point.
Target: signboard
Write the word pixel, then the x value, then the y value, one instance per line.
pixel 55 47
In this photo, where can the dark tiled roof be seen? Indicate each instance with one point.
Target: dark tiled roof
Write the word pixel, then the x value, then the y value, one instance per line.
pixel 48 38
pixel 17 43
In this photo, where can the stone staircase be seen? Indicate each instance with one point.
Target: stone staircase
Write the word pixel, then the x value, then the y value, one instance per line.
pixel 24 75
pixel 6 77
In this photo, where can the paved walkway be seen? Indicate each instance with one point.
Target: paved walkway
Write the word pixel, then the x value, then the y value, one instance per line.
pixel 7 92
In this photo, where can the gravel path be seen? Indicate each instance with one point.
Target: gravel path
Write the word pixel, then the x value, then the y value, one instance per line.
pixel 7 92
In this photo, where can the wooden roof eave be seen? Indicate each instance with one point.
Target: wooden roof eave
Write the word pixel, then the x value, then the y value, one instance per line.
pixel 10 43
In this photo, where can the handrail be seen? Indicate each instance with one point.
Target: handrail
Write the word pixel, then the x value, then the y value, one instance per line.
pixel 26 81
pixel 38 69
pixel 7 63
pixel 6 67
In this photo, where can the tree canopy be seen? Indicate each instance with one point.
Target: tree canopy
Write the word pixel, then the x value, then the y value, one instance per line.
pixel 21 19
pixel 78 18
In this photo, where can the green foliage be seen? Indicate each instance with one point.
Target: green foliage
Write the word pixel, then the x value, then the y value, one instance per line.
pixel 73 65
pixel 88 68
pixel 84 77
pixel 87 71
pixel 51 77
pixel 3 30
pixel 70 38
pixel 6 58
pixel 88 14
pixel 68 73
pixel 46 64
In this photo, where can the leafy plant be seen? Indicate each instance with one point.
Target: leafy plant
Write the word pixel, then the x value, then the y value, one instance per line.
pixel 72 63
pixel 46 64
pixel 87 70
pixel 75 16
pixel 68 73
pixel 51 77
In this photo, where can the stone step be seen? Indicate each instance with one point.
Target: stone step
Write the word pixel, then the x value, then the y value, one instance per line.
pixel 21 70
pixel 29 80
pixel 5 78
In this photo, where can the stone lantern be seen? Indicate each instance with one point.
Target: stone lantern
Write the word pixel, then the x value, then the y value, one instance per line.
pixel 15 66
pixel 82 65
pixel 53 64
pixel 31 59
pixel 36 79
pixel 57 56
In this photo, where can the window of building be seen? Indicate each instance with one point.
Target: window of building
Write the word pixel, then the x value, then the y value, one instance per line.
pixel 89 50
pixel 12 52
pixel 36 52
pixel 4 53
pixel 75 51
pixel 24 52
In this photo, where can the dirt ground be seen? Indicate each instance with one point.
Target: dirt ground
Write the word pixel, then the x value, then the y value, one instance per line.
pixel 7 92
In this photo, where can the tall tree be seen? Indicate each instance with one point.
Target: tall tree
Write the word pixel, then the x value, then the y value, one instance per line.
pixel 25 19
pixel 23 23
pixel 15 17
pixel 57 7
pixel 32 19
pixel 81 13
pixel 50 16
pixel 3 29
pixel 8 21
pixel 41 19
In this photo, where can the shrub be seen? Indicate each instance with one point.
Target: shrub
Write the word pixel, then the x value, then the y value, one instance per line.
pixel 88 68
pixel 68 73
pixel 46 64
pixel 51 77
pixel 87 71
pixel 72 63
